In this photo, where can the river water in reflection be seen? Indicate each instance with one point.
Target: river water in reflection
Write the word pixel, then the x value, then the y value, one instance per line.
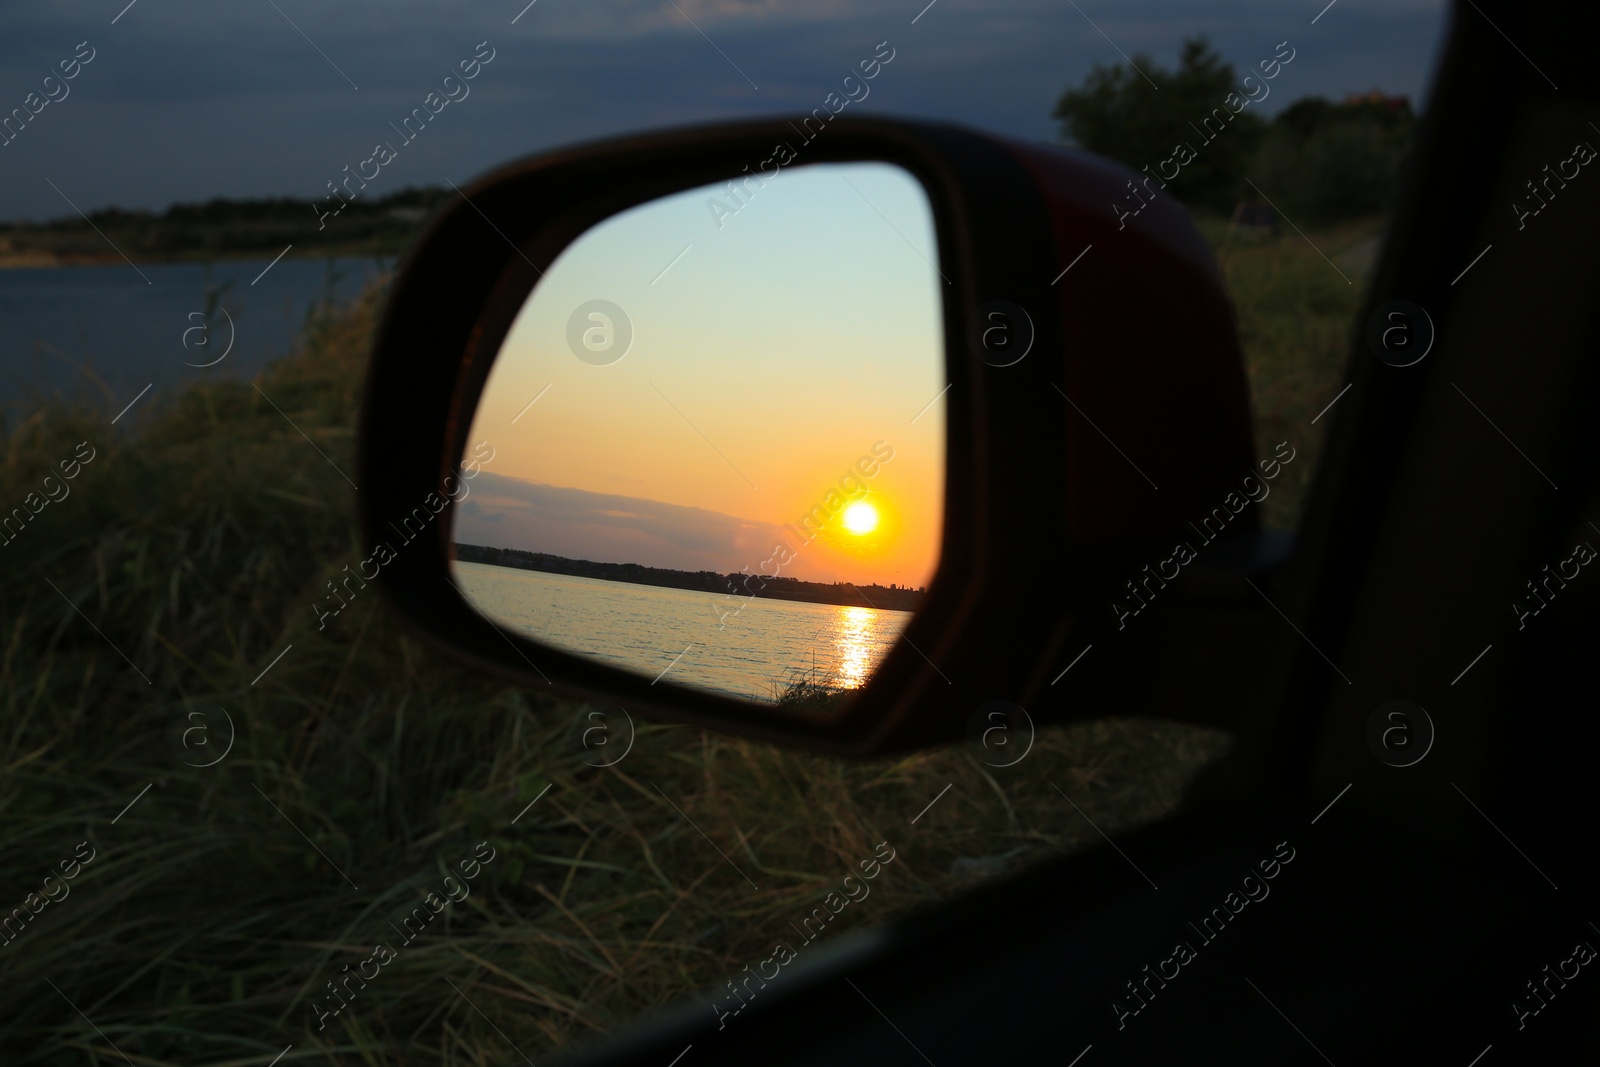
pixel 762 649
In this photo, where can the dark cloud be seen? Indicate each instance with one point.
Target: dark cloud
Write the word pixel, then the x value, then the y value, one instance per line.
pixel 188 100
pixel 511 513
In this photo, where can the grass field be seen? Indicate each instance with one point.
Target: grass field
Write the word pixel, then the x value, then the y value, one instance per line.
pixel 161 595
pixel 1295 299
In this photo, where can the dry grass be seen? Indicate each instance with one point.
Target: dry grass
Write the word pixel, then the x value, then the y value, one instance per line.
pixel 1295 311
pixel 207 923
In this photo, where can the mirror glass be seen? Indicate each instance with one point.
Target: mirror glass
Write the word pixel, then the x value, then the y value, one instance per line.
pixel 711 448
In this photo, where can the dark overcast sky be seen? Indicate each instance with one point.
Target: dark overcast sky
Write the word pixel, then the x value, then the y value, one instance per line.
pixel 190 99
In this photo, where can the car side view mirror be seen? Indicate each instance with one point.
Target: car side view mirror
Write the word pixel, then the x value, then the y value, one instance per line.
pixel 849 439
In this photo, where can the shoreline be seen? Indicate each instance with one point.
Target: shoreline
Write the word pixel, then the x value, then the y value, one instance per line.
pixel 43 260
pixel 792 590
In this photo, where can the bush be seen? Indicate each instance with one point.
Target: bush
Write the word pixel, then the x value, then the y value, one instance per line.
pixel 1324 163
pixel 1320 162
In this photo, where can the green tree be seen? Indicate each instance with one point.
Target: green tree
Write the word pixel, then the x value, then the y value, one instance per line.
pixel 1117 113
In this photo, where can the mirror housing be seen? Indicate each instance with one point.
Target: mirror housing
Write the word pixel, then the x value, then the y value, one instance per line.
pixel 1068 468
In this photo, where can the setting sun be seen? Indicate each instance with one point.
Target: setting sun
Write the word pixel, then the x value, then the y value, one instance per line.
pixel 861 517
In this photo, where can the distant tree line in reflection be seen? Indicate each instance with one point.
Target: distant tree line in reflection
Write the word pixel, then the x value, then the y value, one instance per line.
pixel 887 597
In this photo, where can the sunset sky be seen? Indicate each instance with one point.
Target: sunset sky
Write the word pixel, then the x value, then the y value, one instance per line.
pixel 765 363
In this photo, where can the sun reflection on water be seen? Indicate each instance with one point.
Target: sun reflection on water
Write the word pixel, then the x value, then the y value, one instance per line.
pixel 854 630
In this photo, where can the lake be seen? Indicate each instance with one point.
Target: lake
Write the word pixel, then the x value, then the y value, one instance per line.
pixel 61 328
pixel 767 645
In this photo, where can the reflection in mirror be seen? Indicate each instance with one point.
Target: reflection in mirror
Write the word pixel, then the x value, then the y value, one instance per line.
pixel 711 448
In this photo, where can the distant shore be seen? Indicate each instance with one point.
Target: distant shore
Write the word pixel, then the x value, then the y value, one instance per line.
pixel 37 259
pixel 220 230
pixel 732 584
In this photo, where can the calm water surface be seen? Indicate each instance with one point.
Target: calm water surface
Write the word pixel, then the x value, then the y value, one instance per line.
pixel 642 627
pixel 66 330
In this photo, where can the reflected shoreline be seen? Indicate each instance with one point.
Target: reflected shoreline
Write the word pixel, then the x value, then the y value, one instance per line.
pixel 880 597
